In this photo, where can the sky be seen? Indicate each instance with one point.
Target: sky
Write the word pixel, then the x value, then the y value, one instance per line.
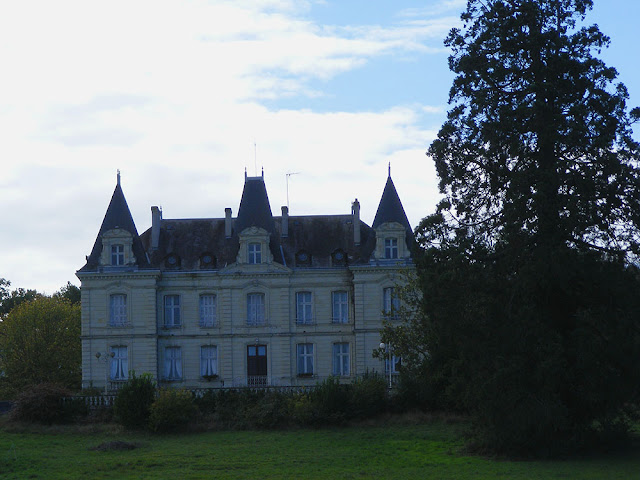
pixel 183 96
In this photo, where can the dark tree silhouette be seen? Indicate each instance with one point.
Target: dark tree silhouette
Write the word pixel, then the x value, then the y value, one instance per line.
pixel 528 315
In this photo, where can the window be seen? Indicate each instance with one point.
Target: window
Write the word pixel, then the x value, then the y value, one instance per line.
pixel 390 302
pixel 255 309
pixel 257 365
pixel 390 248
pixel 396 363
pixel 208 360
pixel 341 359
pixel 305 359
pixel 119 366
pixel 118 310
pixel 208 310
pixel 339 307
pixel 254 251
pixel 117 254
pixel 304 307
pixel 173 363
pixel 172 311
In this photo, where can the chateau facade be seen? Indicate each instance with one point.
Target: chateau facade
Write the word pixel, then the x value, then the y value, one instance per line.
pixel 250 300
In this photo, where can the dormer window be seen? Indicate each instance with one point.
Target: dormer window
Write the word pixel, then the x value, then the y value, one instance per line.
pixel 254 247
pixel 254 251
pixel 390 248
pixel 117 255
pixel 339 257
pixel 172 261
pixel 117 248
pixel 207 260
pixel 303 258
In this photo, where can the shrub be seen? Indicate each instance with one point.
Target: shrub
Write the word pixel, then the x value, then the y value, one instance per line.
pixel 331 402
pixel 303 411
pixel 368 396
pixel 134 399
pixel 172 410
pixel 269 410
pixel 41 403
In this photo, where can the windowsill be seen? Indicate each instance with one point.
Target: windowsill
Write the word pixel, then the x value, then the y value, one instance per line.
pixel 336 322
pixel 209 378
pixel 305 323
pixel 172 380
pixel 120 325
pixel 208 326
pixel 305 375
pixel 171 327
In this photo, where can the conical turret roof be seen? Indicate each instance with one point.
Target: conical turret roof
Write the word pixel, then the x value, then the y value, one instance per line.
pixel 390 208
pixel 118 216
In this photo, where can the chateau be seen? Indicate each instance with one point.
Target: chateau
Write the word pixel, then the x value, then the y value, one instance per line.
pixel 250 300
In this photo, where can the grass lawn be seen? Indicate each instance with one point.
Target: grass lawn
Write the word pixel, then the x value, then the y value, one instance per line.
pixel 412 451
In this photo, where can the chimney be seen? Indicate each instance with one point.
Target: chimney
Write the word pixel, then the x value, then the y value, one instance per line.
pixel 227 222
pixel 156 219
pixel 285 222
pixel 355 211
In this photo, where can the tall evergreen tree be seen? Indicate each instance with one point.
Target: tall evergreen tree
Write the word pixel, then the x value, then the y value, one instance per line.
pixel 537 147
pixel 528 317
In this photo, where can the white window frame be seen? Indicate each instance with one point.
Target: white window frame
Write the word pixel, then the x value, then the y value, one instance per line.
pixel 391 248
pixel 390 302
pixel 172 311
pixel 304 359
pixel 341 359
pixel 256 309
pixel 208 360
pixel 208 304
pixel 340 306
pixel 117 254
pixel 172 363
pixel 119 363
pixel 118 310
pixel 396 362
pixel 304 307
pixel 254 253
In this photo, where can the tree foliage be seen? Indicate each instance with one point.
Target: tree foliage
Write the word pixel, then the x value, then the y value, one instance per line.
pixel 528 314
pixel 537 150
pixel 69 292
pixel 40 342
pixel 10 299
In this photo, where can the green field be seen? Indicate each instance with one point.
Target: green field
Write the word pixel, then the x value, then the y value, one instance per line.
pixel 430 450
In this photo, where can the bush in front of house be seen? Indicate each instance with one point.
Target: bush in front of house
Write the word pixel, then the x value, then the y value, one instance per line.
pixel 43 403
pixel 133 402
pixel 172 410
pixel 368 396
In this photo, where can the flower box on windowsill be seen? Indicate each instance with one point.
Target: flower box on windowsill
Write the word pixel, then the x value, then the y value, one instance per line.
pixel 305 375
pixel 209 378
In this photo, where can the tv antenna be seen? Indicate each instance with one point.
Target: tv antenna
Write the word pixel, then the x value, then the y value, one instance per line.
pixel 288 174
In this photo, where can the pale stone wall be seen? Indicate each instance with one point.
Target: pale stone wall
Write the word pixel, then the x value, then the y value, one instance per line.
pixel 146 335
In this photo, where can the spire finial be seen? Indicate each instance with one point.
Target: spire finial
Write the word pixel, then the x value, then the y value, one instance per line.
pixel 245 173
pixel 263 172
pixel 389 169
pixel 118 177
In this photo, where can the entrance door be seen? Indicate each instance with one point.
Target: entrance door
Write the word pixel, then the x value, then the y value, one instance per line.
pixel 257 365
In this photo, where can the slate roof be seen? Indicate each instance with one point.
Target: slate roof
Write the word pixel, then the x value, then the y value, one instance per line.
pixel 118 216
pixel 318 236
pixel 390 208
pixel 254 210
pixel 190 240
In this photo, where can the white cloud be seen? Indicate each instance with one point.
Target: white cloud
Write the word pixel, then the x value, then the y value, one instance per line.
pixel 169 92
